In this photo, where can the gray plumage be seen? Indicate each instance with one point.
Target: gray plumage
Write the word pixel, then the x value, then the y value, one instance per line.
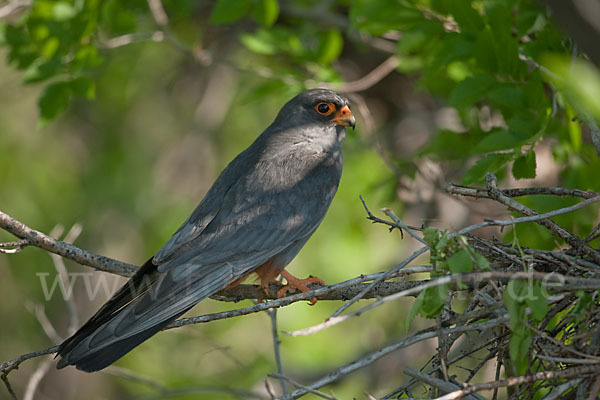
pixel 262 208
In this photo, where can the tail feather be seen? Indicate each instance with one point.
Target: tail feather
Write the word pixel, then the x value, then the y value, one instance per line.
pixel 95 361
pixel 142 307
pixel 139 284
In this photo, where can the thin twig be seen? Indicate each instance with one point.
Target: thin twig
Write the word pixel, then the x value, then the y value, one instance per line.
pixel 158 12
pixel 518 192
pixel 394 271
pixel 8 366
pixel 299 385
pixel 36 378
pixel 372 357
pixel 531 218
pixel 130 38
pixel 276 349
pixel 442 385
pixel 12 393
pixel 135 377
pixel 566 360
pixel 554 228
pixel 375 219
pixel 407 228
pixel 373 77
pixel 567 283
pixel 519 380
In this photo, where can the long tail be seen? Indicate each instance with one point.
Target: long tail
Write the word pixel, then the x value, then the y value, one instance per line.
pixel 107 336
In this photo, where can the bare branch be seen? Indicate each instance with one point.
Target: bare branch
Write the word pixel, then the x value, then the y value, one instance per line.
pixel 158 13
pixel 373 77
pixel 8 366
pixel 393 272
pixel 519 380
pixel 12 393
pixel 276 349
pixel 36 378
pixel 80 256
pixel 444 386
pixel 299 385
pixel 12 7
pixel 124 40
pixel 372 357
pixel 549 224
pixel 518 192
pixel 569 283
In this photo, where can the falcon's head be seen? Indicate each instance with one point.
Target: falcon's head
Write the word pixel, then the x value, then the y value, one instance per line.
pixel 316 106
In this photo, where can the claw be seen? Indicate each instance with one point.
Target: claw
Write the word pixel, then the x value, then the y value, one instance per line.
pixel 300 284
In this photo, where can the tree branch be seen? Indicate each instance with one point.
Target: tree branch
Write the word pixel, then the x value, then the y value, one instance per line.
pixel 80 256
pixel 373 77
pixel 519 380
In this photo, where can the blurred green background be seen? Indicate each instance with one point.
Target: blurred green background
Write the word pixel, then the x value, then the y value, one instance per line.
pixel 116 120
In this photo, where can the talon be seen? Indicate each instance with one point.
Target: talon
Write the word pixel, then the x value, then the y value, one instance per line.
pixel 299 284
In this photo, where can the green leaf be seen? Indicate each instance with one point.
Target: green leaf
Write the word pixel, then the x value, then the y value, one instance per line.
pixel 471 90
pixel 449 145
pixel 505 44
pixel 63 11
pixel 485 51
pixel 466 16
pixel 431 236
pixel 115 17
pixel 524 124
pixel 412 41
pixel 582 307
pixel 460 262
pixel 574 129
pixel 87 56
pixel 490 163
pixel 414 309
pixel 434 299
pixel 265 12
pixel 442 241
pixel 507 96
pixel 83 86
pixel 498 139
pixel 331 45
pixel 524 167
pixel 228 11
pixel 512 303
pixel 537 301
pixel 518 348
pixel 262 42
pixel 53 101
pixel 578 80
pixel 429 303
pixel 480 261
pixel 379 17
pixel 42 69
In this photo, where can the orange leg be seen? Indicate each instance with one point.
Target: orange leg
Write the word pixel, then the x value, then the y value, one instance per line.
pixel 300 284
pixel 267 274
pixel 269 271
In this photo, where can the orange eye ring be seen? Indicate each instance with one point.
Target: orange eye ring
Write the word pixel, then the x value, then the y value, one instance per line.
pixel 325 108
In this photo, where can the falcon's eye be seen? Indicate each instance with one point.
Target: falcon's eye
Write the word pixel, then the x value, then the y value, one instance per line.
pixel 325 108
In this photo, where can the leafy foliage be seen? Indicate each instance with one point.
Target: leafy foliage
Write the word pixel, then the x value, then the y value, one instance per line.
pixel 493 61
pixel 449 255
pixel 513 80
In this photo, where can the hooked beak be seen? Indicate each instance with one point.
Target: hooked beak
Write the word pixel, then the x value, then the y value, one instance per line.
pixel 344 117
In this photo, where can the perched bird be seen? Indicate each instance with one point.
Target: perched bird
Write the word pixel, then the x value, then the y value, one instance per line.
pixel 256 217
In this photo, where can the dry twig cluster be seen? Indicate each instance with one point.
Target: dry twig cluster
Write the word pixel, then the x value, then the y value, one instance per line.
pixel 561 349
